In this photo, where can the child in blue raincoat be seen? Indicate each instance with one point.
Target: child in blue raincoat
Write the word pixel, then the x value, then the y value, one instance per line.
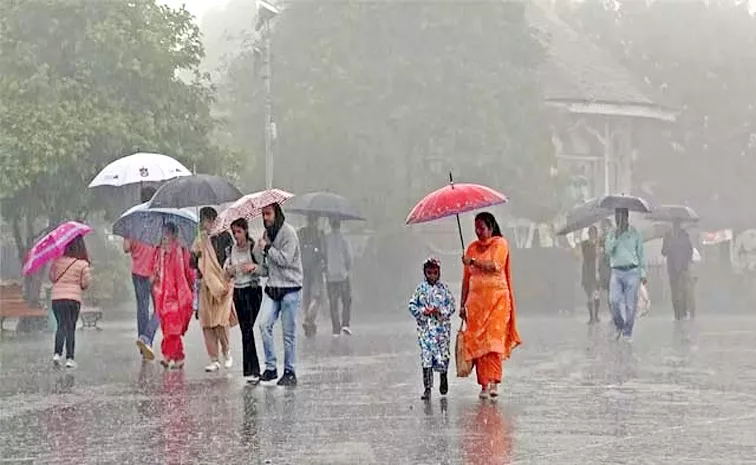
pixel 432 306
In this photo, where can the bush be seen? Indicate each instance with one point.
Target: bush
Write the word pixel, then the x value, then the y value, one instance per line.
pixel 111 273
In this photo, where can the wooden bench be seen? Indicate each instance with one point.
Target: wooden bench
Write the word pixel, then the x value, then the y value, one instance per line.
pixel 18 308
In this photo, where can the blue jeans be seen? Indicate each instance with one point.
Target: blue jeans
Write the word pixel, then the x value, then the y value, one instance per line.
pixel 287 308
pixel 146 326
pixel 623 298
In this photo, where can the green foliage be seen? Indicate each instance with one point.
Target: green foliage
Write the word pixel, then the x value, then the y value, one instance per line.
pixel 111 272
pixel 379 100
pixel 85 82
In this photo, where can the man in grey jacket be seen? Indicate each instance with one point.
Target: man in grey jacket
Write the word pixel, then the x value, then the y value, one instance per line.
pixel 283 262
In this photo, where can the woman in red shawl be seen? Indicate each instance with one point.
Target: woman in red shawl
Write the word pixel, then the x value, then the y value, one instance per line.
pixel 173 295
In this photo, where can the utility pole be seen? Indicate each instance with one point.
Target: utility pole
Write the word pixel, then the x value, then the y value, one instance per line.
pixel 267 78
pixel 265 14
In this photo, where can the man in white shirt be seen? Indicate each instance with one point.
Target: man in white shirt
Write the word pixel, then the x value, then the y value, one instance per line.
pixel 338 266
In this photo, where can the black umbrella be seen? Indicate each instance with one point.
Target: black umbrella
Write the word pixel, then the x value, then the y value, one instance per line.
pixel 583 216
pixel 674 213
pixel 324 204
pixel 195 191
pixel 627 202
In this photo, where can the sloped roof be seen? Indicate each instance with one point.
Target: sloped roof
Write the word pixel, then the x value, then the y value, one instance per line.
pixel 575 70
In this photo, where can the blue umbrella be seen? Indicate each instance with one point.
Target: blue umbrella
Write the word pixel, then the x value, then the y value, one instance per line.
pixel 144 224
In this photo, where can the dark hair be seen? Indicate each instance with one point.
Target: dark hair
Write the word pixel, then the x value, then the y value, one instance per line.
pixel 243 224
pixel 146 194
pixel 77 249
pixel 171 228
pixel 208 213
pixel 489 220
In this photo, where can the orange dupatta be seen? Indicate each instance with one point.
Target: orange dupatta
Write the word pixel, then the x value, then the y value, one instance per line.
pixel 491 312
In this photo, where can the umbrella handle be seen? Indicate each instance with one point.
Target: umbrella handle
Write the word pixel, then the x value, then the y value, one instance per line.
pixel 461 238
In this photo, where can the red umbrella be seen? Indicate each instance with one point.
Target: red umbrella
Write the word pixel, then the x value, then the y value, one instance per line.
pixel 454 200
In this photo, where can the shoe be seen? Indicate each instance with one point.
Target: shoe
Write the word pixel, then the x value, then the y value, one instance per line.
pixel 426 394
pixel 444 385
pixel 166 363
pixel 336 335
pixel 346 331
pixel 253 380
pixel 56 359
pixel 229 362
pixel 484 393
pixel 493 390
pixel 288 379
pixel 71 363
pixel 213 367
pixel 269 375
pixel 145 349
pixel 178 364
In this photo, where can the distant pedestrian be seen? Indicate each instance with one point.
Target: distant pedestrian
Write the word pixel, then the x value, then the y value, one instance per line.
pixel 590 277
pixel 678 250
pixel 312 242
pixel 244 266
pixel 338 267
pixel 624 247
pixel 142 269
pixel 173 295
pixel 432 305
pixel 70 275
pixel 284 288
pixel 216 310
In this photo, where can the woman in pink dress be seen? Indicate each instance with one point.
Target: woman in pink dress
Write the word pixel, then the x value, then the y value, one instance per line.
pixel 173 295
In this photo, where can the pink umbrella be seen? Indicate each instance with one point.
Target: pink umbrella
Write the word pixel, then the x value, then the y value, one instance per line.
pixel 53 245
pixel 249 207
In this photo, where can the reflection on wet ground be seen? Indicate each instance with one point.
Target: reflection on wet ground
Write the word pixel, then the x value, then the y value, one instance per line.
pixel 680 394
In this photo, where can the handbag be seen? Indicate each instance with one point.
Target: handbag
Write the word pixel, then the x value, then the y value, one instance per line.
pixel 464 367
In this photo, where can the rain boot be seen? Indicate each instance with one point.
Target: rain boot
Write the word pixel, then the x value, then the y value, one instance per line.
pixel 427 383
pixel 444 384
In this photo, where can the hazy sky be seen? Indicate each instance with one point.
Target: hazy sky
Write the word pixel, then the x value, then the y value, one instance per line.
pixel 196 7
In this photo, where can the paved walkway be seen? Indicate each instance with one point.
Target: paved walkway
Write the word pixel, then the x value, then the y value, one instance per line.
pixel 572 395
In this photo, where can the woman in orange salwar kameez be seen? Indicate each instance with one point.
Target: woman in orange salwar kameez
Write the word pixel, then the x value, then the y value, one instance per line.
pixel 488 304
pixel 173 295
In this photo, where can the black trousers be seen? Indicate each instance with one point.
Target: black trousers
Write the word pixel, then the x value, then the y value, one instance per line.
pixel 247 301
pixel 66 314
pixel 340 290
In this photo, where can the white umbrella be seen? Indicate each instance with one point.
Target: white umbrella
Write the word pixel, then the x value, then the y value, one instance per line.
pixel 139 168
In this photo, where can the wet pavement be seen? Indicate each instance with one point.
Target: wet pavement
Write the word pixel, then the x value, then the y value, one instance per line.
pixel 680 394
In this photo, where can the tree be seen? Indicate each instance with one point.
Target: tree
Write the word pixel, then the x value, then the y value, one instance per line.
pixel 84 82
pixel 378 100
pixel 697 56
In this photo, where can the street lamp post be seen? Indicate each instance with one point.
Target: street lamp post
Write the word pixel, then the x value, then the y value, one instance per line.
pixel 265 13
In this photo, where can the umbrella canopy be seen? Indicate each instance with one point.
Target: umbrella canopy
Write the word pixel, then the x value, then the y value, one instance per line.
pixel 452 200
pixel 144 224
pixel 584 215
pixel 195 191
pixel 250 207
pixel 53 245
pixel 139 168
pixel 324 204
pixel 674 213
pixel 628 202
